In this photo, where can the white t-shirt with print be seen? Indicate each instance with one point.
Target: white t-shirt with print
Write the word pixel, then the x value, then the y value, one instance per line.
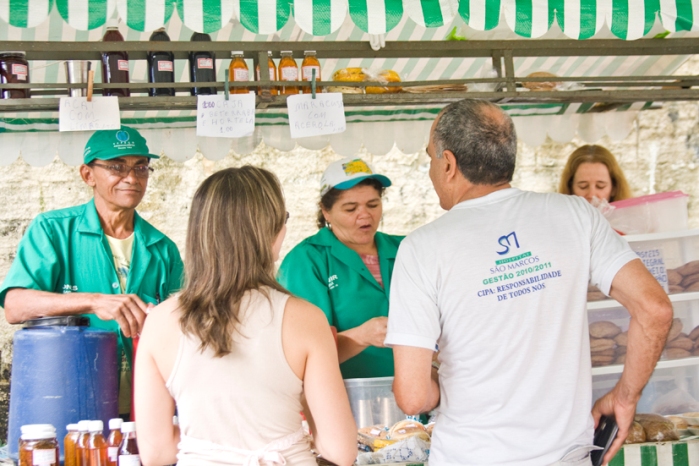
pixel 121 253
pixel 500 283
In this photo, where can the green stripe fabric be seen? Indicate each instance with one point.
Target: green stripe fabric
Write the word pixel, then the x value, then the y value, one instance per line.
pixel 205 16
pixel 376 16
pixel 685 15
pixel 321 17
pixel 145 15
pixel 649 454
pixel 618 459
pixel 481 15
pixel 432 12
pixel 680 454
pixel 85 15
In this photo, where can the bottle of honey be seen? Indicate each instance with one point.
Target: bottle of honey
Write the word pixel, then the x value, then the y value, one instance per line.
pixel 310 63
pixel 114 441
pixel 288 71
pixel 69 444
pixel 238 72
pixel 38 445
pixel 82 454
pixel 128 452
pixel 115 65
pixel 272 74
pixel 96 445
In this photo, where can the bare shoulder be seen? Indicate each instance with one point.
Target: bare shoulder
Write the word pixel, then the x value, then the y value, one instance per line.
pixel 299 311
pixel 163 321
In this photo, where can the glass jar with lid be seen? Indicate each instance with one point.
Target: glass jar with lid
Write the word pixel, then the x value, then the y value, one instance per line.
pixel 288 71
pixel 14 69
pixel 38 445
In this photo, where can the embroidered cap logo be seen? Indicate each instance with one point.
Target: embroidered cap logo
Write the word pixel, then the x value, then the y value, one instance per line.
pixel 123 142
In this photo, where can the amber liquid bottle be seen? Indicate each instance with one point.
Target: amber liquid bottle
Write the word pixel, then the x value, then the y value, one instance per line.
pixel 82 454
pixel 272 74
pixel 128 452
pixel 114 441
pixel 288 71
pixel 69 445
pixel 115 65
pixel 309 64
pixel 161 66
pixel 38 445
pixel 238 72
pixel 97 445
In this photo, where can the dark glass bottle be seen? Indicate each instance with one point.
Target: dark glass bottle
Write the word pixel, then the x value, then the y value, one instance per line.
pixel 202 67
pixel 115 65
pixel 161 66
pixel 14 69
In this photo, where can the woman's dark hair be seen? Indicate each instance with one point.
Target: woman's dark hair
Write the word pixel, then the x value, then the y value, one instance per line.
pixel 330 198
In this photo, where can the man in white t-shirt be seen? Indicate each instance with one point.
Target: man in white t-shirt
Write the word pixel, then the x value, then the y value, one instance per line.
pixel 499 282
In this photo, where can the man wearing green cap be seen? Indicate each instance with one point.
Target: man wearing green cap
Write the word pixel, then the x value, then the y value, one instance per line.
pixel 100 259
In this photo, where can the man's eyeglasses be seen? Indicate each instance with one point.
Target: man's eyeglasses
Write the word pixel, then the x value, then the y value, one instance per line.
pixel 122 170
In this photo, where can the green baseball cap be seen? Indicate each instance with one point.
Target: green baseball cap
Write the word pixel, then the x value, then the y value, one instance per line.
pixel 109 144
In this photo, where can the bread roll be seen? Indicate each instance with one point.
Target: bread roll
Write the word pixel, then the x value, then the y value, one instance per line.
pixel 636 434
pixel 388 76
pixel 690 280
pixel 676 329
pixel 680 422
pixel 601 344
pixel 657 428
pixel 622 339
pixel 355 75
pixel 621 359
pixel 676 353
pixel 672 289
pixel 681 342
pixel 346 89
pixel 674 277
pixel 541 85
pixel 689 268
pixel 429 428
pixel 405 429
pixel 692 287
pixel 694 334
pixel 598 361
pixel 604 329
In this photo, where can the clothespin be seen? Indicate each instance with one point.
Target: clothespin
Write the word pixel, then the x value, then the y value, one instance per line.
pixel 313 83
pixel 90 83
pixel 226 88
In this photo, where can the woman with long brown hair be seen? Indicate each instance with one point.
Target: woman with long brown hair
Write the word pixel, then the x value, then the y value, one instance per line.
pixel 592 171
pixel 233 351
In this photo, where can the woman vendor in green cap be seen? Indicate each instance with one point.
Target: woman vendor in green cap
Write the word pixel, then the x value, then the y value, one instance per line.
pixel 345 269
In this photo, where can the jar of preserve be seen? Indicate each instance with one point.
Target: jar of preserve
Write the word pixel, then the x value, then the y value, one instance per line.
pixel 14 69
pixel 272 74
pixel 38 445
pixel 309 64
pixel 288 71
pixel 238 72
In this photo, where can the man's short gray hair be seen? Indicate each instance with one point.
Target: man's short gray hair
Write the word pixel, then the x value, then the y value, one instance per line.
pixel 482 137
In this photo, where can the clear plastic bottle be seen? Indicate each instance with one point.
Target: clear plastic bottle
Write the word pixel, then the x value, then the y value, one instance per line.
pixel 238 72
pixel 97 445
pixel 161 66
pixel 69 444
pixel 202 67
pixel 115 65
pixel 128 452
pixel 310 63
pixel 114 441
pixel 288 71
pixel 38 445
pixel 82 454
pixel 272 74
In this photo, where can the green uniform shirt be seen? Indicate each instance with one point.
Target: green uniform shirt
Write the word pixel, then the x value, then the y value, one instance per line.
pixel 66 251
pixel 324 271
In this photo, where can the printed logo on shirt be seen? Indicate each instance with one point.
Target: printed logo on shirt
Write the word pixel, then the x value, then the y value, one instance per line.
pixel 356 166
pixel 67 288
pixel 505 242
pixel 332 282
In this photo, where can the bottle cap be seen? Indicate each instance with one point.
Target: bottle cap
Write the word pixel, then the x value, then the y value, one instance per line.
pixel 128 427
pixel 72 427
pixel 96 426
pixel 237 52
pixel 286 52
pixel 269 54
pixel 115 423
pixel 309 52
pixel 37 431
pixel 200 37
pixel 112 23
pixel 83 426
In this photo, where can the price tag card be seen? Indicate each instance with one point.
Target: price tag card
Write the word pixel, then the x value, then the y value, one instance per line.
pixel 655 263
pixel 314 117
pixel 77 114
pixel 221 118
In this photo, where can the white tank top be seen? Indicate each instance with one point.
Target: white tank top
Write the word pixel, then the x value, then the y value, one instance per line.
pixel 243 408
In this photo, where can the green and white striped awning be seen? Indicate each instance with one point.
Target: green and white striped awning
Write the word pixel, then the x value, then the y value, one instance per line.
pixel 578 19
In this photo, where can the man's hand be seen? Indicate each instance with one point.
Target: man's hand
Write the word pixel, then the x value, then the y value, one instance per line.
pixel 128 310
pixel 623 411
pixel 374 331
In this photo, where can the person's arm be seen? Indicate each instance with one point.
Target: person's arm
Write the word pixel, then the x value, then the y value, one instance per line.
pixel 128 310
pixel 651 317
pixel 415 385
pixel 355 340
pixel 176 278
pixel 306 332
pixel 157 436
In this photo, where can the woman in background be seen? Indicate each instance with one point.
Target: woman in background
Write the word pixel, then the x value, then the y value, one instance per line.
pixel 592 171
pixel 233 351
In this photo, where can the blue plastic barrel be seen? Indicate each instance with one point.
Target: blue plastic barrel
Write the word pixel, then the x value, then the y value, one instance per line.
pixel 61 375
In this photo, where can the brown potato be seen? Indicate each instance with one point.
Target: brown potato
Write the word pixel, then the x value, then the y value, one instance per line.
pixel 604 329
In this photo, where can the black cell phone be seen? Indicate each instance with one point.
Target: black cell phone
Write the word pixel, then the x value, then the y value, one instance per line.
pixel 605 433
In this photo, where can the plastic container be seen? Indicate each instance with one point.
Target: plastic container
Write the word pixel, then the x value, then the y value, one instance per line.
pixel 372 401
pixel 272 75
pixel 38 446
pixel 14 69
pixel 653 213
pixel 114 441
pixel 238 72
pixel 69 445
pixel 288 71
pixel 82 454
pixel 310 63
pixel 96 444
pixel 61 374
pixel 202 67
pixel 128 451
pixel 161 66
pixel 115 65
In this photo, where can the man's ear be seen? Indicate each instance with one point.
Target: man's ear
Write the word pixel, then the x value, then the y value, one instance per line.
pixel 451 167
pixel 87 175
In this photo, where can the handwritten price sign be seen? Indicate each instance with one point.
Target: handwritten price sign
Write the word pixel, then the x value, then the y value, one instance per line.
pixel 314 117
pixel 77 114
pixel 221 118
